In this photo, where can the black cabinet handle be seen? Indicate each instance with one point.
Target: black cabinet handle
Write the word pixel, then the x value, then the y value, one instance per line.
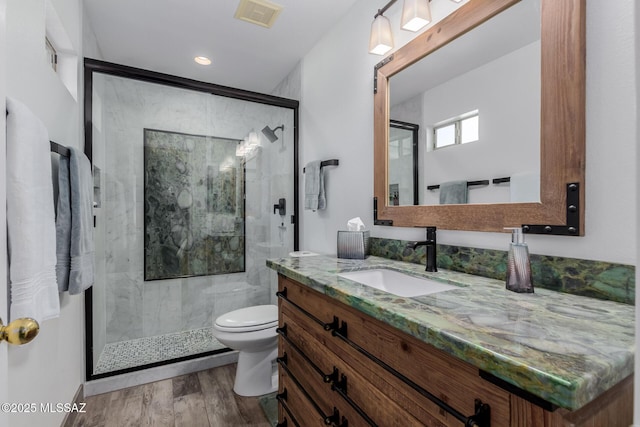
pixel 327 378
pixel 326 326
pixel 340 387
pixel 282 400
pixel 482 417
pixel 338 382
pixel 330 420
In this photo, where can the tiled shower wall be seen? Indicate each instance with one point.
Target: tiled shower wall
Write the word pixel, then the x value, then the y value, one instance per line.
pixel 132 308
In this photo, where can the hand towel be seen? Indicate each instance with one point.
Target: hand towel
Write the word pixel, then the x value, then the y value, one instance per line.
pixel 314 197
pixel 454 192
pixel 30 217
pixel 63 225
pixel 81 248
pixel 525 187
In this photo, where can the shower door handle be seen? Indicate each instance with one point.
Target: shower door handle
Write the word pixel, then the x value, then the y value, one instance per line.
pixel 281 207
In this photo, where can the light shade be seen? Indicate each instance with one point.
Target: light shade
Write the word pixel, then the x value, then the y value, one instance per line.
pixel 381 39
pixel 415 14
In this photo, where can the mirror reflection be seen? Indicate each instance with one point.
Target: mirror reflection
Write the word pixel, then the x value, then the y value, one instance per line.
pixel 403 166
pixel 475 108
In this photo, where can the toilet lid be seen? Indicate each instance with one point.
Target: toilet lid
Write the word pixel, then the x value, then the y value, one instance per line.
pixel 248 319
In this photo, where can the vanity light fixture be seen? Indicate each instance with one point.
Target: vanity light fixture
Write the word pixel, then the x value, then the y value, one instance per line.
pixel 415 15
pixel 202 60
pixel 381 38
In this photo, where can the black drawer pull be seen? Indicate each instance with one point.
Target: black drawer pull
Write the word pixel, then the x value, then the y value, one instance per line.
pixel 482 417
pixel 282 399
pixel 326 326
pixel 338 382
pixel 334 419
pixel 327 378
pixel 340 387
pixel 330 420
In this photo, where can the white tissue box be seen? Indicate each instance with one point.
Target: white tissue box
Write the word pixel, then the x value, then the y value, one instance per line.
pixel 353 244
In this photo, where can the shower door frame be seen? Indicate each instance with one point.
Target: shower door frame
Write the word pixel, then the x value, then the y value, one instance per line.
pixel 92 66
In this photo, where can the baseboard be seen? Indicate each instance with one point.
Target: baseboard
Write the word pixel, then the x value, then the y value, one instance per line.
pixel 117 382
pixel 78 400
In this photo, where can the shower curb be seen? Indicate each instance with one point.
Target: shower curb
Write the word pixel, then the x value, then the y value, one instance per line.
pixel 117 382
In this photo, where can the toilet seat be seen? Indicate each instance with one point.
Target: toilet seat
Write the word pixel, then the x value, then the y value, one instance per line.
pixel 248 319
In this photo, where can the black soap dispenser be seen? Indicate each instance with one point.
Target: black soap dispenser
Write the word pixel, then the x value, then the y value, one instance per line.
pixel 518 264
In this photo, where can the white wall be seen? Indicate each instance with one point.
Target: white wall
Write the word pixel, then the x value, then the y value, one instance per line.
pixel 4 397
pixel 337 121
pixel 508 101
pixel 51 368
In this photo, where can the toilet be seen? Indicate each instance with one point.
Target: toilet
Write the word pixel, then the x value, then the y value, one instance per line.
pixel 251 331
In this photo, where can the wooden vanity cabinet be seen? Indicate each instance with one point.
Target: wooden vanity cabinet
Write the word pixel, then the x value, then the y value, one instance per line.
pixel 381 376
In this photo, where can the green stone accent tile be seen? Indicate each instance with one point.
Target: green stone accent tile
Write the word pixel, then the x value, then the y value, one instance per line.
pixel 538 342
pixel 596 279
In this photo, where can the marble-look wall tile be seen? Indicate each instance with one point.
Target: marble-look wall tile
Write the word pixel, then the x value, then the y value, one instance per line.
pixel 161 307
pixel 291 86
pixel 135 308
pixel 596 279
pixel 197 299
pixel 124 299
pixel 232 296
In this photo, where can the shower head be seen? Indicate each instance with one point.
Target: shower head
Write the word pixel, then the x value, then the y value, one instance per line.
pixel 271 133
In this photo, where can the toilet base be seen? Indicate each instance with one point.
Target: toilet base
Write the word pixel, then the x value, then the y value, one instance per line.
pixel 254 373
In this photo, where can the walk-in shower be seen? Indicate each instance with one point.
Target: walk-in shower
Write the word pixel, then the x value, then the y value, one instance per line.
pixel 184 191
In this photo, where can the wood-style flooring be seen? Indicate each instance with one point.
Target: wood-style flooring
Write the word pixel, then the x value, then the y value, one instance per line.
pixel 201 399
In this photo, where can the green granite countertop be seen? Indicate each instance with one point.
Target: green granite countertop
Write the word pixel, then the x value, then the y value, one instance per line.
pixel 563 348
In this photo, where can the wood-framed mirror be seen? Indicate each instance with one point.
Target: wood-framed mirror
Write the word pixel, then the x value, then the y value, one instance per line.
pixel 560 209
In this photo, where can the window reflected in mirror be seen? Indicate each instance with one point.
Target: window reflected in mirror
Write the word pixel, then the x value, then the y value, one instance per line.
pixel 458 130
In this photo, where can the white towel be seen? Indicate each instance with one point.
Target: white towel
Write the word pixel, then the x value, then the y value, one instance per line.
pixel 314 198
pixel 74 224
pixel 63 225
pixel 81 248
pixel 30 218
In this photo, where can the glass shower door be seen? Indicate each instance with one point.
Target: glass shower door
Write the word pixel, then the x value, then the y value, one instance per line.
pixel 185 185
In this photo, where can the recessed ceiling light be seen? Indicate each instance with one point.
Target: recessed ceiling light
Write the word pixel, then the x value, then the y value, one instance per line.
pixel 202 60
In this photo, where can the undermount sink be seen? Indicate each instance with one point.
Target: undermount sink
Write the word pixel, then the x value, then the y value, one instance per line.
pixel 397 283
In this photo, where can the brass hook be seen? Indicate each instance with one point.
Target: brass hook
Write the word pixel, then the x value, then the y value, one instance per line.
pixel 20 331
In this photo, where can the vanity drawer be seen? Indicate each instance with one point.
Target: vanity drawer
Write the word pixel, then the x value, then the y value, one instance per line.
pixel 455 382
pixel 312 400
pixel 357 397
pixel 296 405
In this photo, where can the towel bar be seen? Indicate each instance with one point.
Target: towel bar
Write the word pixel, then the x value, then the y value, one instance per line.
pixel 332 162
pixel 60 149
pixel 469 184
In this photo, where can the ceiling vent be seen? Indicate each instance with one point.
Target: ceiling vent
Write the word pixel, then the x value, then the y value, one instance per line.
pixel 259 12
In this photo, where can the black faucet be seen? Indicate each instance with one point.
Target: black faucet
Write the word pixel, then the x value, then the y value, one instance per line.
pixel 430 243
